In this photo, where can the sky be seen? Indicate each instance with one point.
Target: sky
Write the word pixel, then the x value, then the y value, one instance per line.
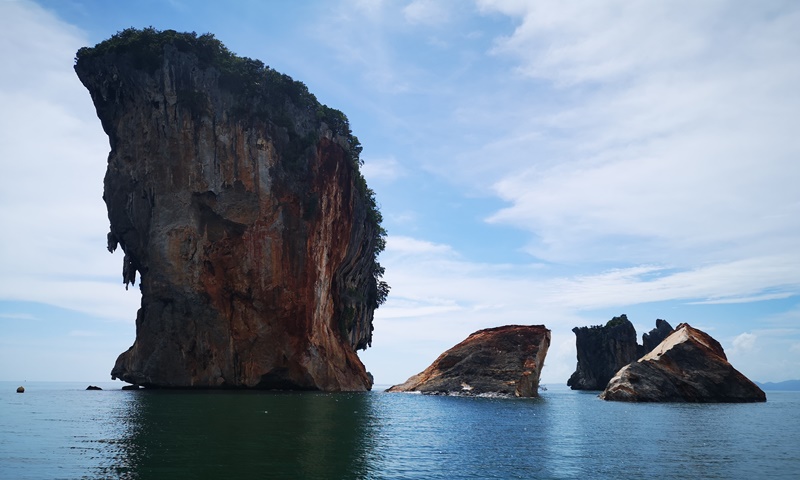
pixel 536 162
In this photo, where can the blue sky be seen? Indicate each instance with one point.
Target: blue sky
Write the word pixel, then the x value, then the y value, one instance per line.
pixel 552 163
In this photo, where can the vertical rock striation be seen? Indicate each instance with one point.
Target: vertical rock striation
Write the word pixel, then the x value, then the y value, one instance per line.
pixel 505 361
pixel 237 198
pixel 602 351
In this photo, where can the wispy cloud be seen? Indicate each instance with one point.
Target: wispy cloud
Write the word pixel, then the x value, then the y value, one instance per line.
pixel 400 245
pixel 671 140
pixel 52 157
pixel 382 170
pixel 84 334
pixel 532 287
pixel 436 289
pixel 18 316
pixel 746 299
pixel 361 29
pixel 428 12
pixel 744 342
pixel 647 153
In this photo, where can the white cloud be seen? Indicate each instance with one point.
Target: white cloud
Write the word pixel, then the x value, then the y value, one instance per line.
pixel 408 245
pixel 427 12
pixel 382 170
pixel 766 354
pixel 667 136
pixel 744 342
pixel 17 316
pixel 52 158
pixel 437 291
pixel 361 29
pixel 589 40
pixel 84 334
pixel 658 138
pixel 746 299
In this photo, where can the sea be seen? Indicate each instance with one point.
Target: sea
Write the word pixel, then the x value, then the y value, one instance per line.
pixel 61 430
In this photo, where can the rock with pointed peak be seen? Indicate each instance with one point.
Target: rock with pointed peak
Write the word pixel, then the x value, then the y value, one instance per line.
pixel 688 366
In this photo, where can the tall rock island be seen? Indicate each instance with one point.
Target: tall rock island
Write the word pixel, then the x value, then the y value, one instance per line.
pixel 236 196
pixel 504 361
pixel 688 366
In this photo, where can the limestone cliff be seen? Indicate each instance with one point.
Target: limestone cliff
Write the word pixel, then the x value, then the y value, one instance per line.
pixel 504 361
pixel 602 351
pixel 688 366
pixel 237 198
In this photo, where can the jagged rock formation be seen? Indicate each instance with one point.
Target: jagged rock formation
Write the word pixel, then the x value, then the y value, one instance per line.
pixel 655 336
pixel 505 361
pixel 602 351
pixel 237 197
pixel 688 366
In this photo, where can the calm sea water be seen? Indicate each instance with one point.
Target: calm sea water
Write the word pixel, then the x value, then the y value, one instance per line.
pixel 59 430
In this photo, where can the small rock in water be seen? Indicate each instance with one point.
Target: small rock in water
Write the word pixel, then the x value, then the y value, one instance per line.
pixel 20 389
pixel 130 387
pixel 93 387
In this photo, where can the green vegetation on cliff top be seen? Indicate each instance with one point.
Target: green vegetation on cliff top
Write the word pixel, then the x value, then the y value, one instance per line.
pixel 262 89
pixel 617 321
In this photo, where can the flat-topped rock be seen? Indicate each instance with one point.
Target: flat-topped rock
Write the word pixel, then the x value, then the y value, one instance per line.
pixel 504 361
pixel 688 366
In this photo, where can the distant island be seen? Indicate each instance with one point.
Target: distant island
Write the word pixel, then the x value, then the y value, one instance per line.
pixel 785 386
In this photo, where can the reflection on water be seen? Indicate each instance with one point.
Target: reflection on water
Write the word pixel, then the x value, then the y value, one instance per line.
pixel 178 434
pixel 71 433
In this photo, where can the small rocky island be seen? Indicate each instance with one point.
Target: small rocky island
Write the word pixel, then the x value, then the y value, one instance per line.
pixel 603 349
pixel 237 198
pixel 688 366
pixel 502 361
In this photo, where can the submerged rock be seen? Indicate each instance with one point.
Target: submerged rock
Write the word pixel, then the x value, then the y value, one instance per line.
pixel 503 361
pixel 602 351
pixel 93 387
pixel 688 366
pixel 238 199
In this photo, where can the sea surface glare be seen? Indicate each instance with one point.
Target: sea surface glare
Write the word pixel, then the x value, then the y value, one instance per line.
pixel 60 430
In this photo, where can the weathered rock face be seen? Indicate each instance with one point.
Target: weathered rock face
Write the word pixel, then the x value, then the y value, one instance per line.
pixel 655 336
pixel 688 366
pixel 504 361
pixel 237 197
pixel 602 351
